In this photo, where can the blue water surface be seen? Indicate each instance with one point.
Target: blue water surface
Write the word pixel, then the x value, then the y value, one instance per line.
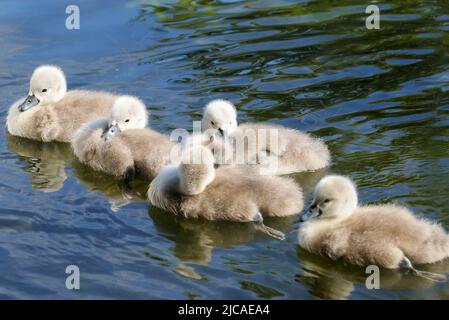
pixel 379 98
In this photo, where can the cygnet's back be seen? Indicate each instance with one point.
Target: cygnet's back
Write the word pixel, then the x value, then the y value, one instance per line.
pixel 236 195
pixel 78 107
pixel 389 226
pixel 151 150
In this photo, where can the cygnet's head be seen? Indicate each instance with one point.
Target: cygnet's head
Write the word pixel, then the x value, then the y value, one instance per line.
pixel 335 197
pixel 220 148
pixel 47 86
pixel 128 112
pixel 220 115
pixel 196 170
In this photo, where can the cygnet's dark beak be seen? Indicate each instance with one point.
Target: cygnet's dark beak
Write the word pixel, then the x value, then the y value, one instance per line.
pixel 29 102
pixel 110 131
pixel 223 133
pixel 310 213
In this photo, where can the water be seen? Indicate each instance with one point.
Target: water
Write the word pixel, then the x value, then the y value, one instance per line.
pixel 379 99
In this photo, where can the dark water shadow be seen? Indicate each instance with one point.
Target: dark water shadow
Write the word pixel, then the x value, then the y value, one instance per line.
pixel 107 185
pixel 195 239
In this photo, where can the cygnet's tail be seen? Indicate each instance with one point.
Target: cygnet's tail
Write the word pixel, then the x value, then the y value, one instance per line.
pixel 433 245
pixel 307 154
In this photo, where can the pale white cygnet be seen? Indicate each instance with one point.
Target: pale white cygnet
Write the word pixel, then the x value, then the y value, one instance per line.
pixel 282 150
pixel 122 145
pixel 50 112
pixel 388 236
pixel 196 189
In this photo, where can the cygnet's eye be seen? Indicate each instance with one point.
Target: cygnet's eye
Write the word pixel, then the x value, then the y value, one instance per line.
pixel 212 123
pixel 127 120
pixel 326 201
pixel 44 90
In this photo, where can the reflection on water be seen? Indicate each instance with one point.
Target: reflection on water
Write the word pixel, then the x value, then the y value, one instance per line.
pixel 44 162
pixel 378 98
pixel 106 184
pixel 194 239
pixel 327 279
